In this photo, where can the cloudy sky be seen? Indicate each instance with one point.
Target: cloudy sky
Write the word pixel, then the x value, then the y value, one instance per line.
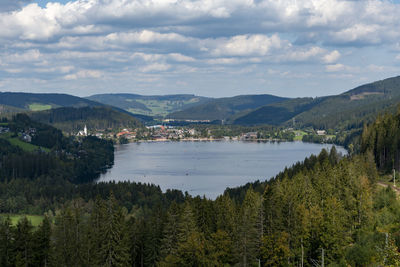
pixel 204 47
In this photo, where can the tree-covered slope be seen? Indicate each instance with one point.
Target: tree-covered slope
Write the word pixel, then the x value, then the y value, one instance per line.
pixel 277 113
pixel 71 119
pixel 6 110
pixel 54 155
pixel 348 110
pixel 223 108
pixel 154 105
pixel 30 101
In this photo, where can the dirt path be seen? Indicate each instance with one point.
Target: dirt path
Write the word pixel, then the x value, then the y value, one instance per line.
pixel 395 188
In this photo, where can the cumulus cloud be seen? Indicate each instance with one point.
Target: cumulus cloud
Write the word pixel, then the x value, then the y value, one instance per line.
pixel 94 39
pixel 341 67
pixel 331 57
pixel 83 74
pixel 245 45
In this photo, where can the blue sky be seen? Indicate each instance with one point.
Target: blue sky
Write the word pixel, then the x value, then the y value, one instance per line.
pixel 43 3
pixel 205 47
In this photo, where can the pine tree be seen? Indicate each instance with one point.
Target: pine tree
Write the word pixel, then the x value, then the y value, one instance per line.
pixel 23 243
pixel 94 232
pixel 248 232
pixel 114 247
pixel 6 243
pixel 169 242
pixel 41 239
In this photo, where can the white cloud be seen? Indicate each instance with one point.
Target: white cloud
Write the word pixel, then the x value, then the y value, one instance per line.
pixel 245 45
pixel 84 74
pixel 308 54
pixel 331 57
pixel 335 67
pixel 144 37
pixel 180 58
pixel 369 34
pixel 155 67
pixel 341 68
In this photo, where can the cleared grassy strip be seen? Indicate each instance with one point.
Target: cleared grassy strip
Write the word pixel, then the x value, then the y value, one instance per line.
pixel 39 107
pixel 25 146
pixel 35 220
pixel 299 135
pixel 15 141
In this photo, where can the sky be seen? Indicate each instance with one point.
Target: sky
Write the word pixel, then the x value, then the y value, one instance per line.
pixel 215 48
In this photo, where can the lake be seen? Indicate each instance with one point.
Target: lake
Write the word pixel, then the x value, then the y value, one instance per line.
pixel 205 168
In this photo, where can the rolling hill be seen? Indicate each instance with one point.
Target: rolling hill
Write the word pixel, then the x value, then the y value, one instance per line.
pixel 155 105
pixel 224 108
pixel 21 102
pixel 347 110
pixel 69 119
pixel 37 102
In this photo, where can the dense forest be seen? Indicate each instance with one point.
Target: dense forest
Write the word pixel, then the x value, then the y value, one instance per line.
pixel 53 154
pixel 327 210
pixel 382 138
pixel 72 120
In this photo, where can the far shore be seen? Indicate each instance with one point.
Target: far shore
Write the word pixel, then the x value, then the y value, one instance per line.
pixel 211 140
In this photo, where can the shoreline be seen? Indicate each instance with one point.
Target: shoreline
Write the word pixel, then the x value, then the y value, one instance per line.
pixel 210 140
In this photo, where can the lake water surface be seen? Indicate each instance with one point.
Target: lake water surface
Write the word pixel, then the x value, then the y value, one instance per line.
pixel 205 168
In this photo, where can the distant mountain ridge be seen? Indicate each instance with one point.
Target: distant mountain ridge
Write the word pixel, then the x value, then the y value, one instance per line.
pixel 28 101
pixel 152 105
pixel 20 102
pixel 224 108
pixel 348 110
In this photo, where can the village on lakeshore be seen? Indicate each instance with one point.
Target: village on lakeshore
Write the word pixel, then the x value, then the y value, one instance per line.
pixel 161 133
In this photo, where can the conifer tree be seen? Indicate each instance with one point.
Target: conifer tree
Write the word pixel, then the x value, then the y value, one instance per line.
pixel 23 243
pixel 41 244
pixel 248 232
pixel 114 247
pixel 6 245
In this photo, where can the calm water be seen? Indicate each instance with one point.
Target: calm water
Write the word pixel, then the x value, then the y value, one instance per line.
pixel 205 168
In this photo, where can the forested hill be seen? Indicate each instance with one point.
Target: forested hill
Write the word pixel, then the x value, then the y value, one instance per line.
pixel 348 110
pixel 30 101
pixel 71 119
pixel 224 108
pixel 32 150
pixel 152 105
pixel 382 139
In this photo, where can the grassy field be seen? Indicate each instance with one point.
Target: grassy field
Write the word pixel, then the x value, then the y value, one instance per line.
pixel 36 220
pixel 299 135
pixel 3 123
pixel 163 107
pixel 23 145
pixel 38 107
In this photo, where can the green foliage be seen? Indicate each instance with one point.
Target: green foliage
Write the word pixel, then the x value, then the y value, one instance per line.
pixel 51 153
pixel 72 120
pixel 150 105
pixel 382 139
pixel 224 108
pixel 38 107
pixel 327 208
pixel 27 100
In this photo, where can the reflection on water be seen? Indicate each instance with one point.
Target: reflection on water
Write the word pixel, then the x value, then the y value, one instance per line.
pixel 205 168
